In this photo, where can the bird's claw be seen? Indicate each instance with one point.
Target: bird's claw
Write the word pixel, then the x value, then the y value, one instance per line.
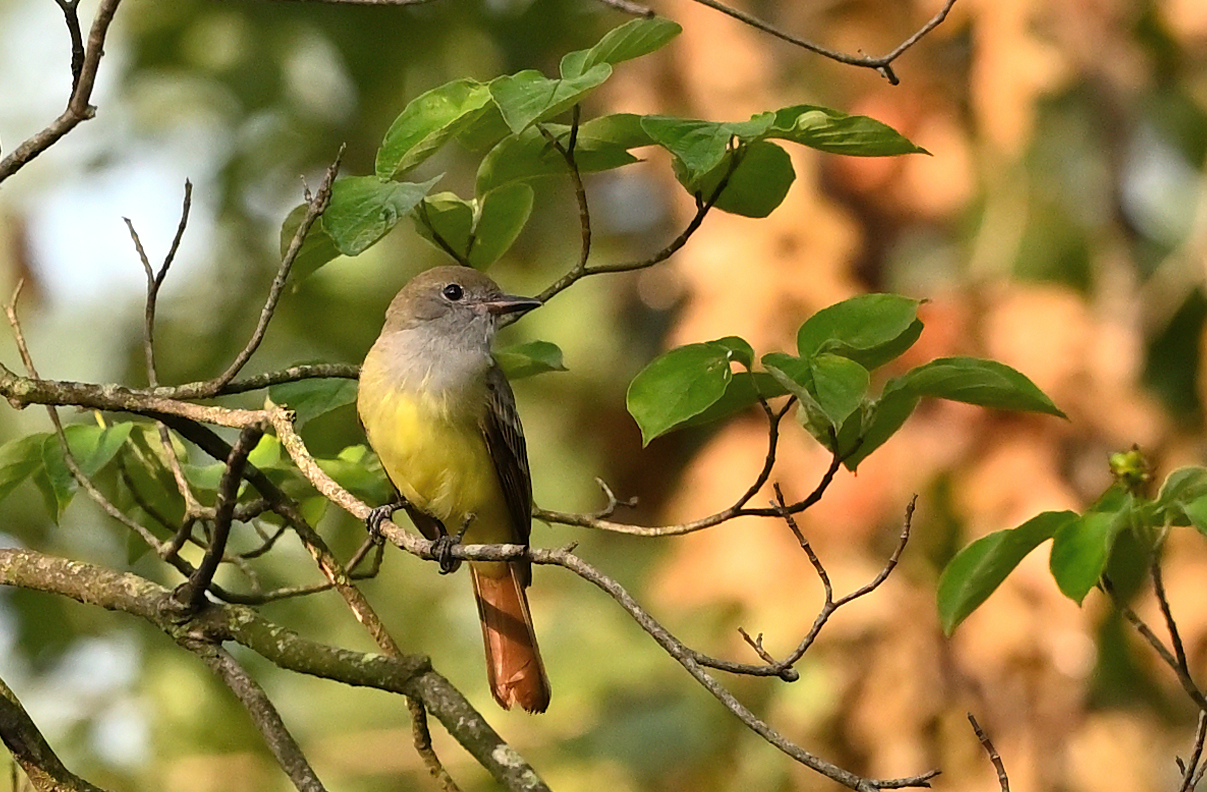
pixel 376 517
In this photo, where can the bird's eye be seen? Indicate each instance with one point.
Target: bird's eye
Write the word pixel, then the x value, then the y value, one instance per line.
pixel 453 292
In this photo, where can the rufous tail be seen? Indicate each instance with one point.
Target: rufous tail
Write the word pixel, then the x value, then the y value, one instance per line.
pixel 513 661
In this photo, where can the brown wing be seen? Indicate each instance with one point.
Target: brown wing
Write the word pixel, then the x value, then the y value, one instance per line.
pixel 505 442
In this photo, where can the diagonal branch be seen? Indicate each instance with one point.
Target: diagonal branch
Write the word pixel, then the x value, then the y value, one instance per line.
pixel 315 206
pixel 263 713
pixel 29 748
pixel 78 107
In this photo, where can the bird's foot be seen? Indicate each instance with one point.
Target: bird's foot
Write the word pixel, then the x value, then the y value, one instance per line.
pixel 442 547
pixel 377 516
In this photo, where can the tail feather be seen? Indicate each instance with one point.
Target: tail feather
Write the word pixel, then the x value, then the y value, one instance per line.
pixel 513 661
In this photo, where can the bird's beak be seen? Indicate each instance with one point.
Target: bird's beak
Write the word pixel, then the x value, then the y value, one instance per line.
pixel 507 304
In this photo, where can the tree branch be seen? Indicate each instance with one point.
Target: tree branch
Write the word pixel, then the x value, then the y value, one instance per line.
pixel 78 108
pixel 410 675
pixel 882 64
pixel 29 748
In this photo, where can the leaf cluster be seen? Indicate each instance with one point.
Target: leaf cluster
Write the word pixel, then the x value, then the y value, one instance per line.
pixel 1086 547
pixel 830 377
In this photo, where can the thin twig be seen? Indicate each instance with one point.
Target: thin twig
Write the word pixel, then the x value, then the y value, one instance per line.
pixel 78 107
pixel 71 15
pixel 738 509
pixel 882 64
pixel 315 206
pixel 703 206
pixel 783 668
pixel 192 593
pixel 1187 683
pixel 998 765
pixel 1191 772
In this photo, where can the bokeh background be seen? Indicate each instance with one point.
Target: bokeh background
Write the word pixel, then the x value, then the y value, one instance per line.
pixel 1060 226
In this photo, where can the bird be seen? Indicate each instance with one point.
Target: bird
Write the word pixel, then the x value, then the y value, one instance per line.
pixel 442 418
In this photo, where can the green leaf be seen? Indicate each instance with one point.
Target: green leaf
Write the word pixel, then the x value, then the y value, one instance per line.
pixel 838 133
pixel 427 122
pixel 742 391
pixel 94 447
pixel 502 213
pixel 317 248
pixel 1181 488
pixel 487 129
pixel 677 387
pixel 364 208
pixel 267 453
pixel 796 376
pixel 839 385
pixel 359 471
pixel 700 146
pixel 54 479
pixel 870 329
pixel 978 569
pixel 631 40
pixel 19 458
pixel 528 359
pixel 755 188
pixel 884 417
pixel 310 398
pixel 447 215
pixel 739 349
pixel 527 97
pixel 1196 513
pixel 982 382
pixel 1081 549
pixel 529 155
pixel 620 129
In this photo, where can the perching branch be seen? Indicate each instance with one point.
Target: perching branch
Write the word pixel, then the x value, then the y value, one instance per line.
pixel 688 658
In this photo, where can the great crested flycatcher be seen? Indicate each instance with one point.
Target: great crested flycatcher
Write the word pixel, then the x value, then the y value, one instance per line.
pixel 440 414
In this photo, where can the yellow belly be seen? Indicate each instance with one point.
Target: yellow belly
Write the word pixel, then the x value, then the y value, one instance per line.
pixel 438 461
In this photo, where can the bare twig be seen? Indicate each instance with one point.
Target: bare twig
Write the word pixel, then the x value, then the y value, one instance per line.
pixel 78 108
pixel 783 668
pixel 703 206
pixel 630 8
pixel 998 765
pixel 315 206
pixel 1183 675
pixel 192 593
pixel 1191 772
pixel 738 509
pixel 882 64
pixel 71 15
